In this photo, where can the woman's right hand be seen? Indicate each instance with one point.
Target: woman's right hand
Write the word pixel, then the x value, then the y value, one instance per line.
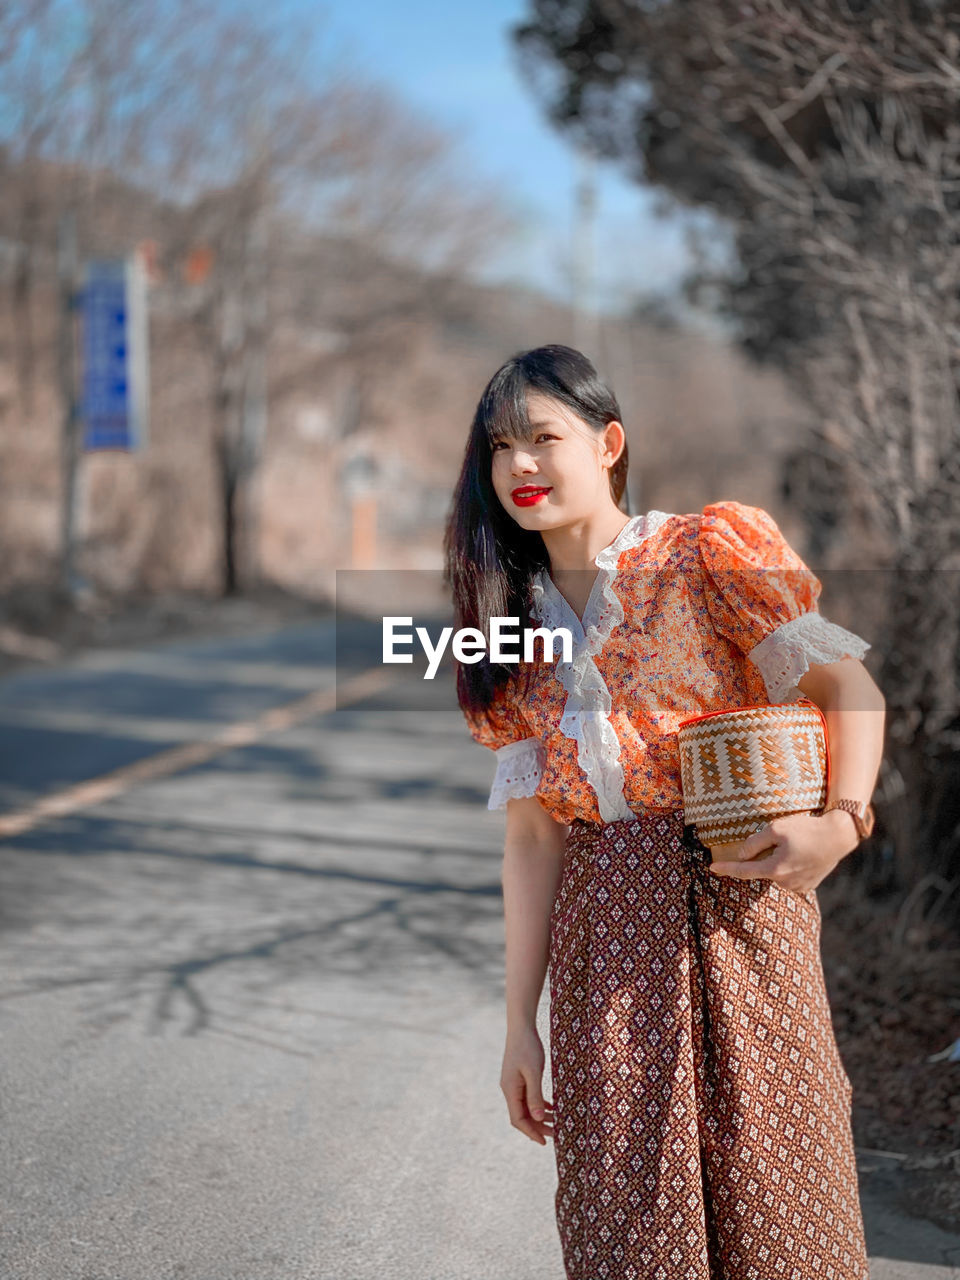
pixel 521 1082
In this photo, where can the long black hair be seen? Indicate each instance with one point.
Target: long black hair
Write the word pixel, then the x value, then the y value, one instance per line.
pixel 490 560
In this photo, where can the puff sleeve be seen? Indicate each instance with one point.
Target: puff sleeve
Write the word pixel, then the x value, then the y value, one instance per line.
pixel 763 598
pixel 519 754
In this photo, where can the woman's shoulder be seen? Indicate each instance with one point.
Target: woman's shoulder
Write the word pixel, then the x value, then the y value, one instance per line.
pixel 744 535
pixel 672 547
pixel 656 537
pixel 650 568
pixel 665 532
pixel 647 531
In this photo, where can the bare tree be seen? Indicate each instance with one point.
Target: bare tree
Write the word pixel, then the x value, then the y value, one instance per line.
pixel 253 152
pixel 828 137
pixel 339 161
pixel 37 73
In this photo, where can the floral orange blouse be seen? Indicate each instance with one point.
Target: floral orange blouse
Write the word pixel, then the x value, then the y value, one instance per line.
pixel 688 614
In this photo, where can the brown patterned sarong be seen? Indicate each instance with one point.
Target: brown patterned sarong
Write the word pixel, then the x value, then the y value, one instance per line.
pixel 702 1110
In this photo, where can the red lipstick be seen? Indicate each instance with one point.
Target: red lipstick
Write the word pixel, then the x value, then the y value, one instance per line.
pixel 528 495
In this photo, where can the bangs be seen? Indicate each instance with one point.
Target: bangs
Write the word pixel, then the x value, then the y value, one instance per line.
pixel 502 411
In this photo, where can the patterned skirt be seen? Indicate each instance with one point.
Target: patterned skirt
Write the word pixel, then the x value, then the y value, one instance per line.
pixel 702 1110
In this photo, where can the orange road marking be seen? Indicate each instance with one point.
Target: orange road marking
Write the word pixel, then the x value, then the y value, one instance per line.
pixel 188 754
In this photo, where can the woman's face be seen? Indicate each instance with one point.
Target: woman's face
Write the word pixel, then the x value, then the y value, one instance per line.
pixel 563 474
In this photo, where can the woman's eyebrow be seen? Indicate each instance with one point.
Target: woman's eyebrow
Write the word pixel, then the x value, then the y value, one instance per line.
pixel 534 426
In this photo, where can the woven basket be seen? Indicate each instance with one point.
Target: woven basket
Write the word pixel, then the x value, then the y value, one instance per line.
pixel 741 769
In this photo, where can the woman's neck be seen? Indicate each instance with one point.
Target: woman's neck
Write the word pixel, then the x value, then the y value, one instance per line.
pixel 575 547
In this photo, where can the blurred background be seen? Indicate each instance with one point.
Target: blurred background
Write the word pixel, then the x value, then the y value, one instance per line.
pixel 341 221
pixel 258 262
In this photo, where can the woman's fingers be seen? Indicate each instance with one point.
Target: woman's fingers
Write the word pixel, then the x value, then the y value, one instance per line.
pixel 520 1080
pixel 519 1116
pixel 536 1105
pixel 537 1128
pixel 534 1095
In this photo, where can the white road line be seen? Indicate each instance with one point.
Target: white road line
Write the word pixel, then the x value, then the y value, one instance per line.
pixel 188 754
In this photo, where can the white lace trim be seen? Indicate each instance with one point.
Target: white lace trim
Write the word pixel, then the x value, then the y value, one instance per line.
pixel 519 767
pixel 787 653
pixel 586 712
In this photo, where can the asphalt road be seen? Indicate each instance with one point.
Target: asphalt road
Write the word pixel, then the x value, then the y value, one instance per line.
pixel 251 1007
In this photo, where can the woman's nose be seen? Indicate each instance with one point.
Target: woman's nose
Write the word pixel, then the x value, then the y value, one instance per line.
pixel 521 462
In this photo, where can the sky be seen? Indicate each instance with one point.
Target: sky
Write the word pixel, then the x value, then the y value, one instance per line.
pixel 456 64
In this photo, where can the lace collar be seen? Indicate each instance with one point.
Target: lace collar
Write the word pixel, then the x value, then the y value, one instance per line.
pixel 588 705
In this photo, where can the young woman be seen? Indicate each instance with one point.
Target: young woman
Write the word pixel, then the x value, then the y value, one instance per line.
pixel 701 1111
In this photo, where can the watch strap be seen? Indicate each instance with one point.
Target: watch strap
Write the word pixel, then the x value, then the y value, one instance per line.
pixel 861 813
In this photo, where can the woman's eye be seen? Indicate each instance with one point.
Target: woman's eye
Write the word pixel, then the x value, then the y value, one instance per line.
pixel 502 444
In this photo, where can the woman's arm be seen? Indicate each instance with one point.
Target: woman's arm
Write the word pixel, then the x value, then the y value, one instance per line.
pixel 532 858
pixel 855 711
pixel 805 849
pixel 532 862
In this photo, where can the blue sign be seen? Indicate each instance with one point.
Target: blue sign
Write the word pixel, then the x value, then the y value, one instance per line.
pixel 114 399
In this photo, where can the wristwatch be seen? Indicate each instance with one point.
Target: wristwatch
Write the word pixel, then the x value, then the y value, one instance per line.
pixel 862 814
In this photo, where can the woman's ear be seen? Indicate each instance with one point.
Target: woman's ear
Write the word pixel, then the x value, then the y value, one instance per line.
pixel 612 442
